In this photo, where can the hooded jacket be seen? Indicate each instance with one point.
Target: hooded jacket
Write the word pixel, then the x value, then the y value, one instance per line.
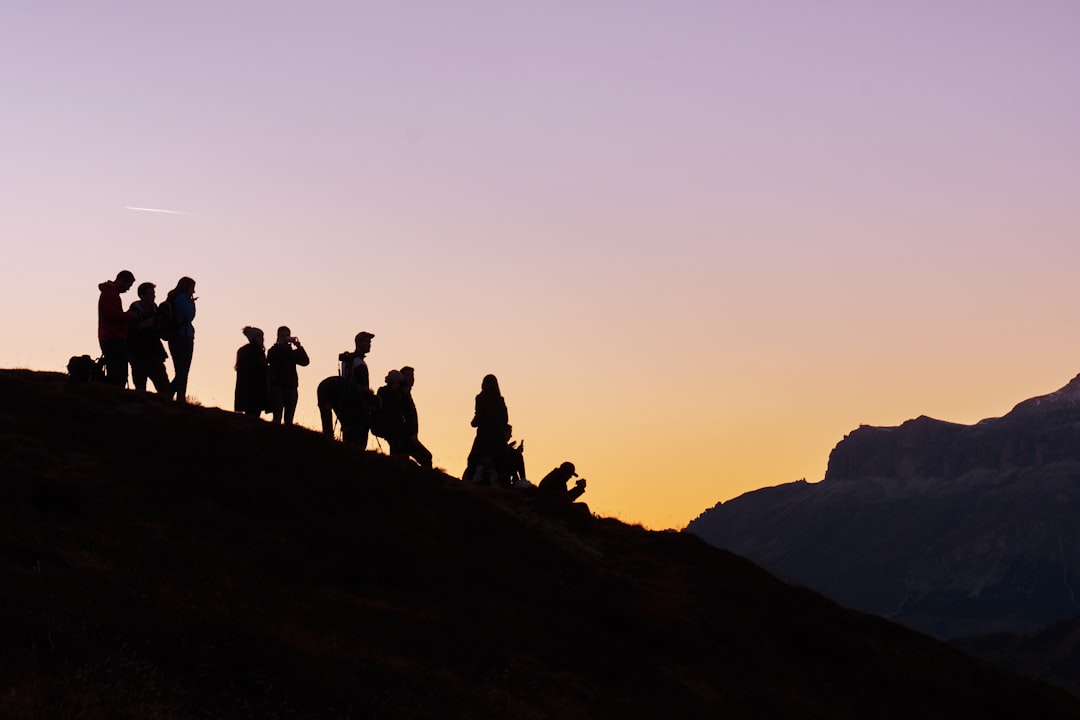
pixel 112 322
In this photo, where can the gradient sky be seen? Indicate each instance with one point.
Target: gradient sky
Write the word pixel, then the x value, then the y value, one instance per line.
pixel 697 241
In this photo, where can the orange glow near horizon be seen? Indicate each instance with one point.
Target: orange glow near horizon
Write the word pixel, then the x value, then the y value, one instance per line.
pixel 697 244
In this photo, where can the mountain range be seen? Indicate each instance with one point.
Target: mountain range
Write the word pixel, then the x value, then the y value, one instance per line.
pixel 955 530
pixel 164 561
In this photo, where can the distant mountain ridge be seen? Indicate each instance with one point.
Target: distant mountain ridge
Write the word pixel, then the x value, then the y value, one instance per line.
pixel 952 529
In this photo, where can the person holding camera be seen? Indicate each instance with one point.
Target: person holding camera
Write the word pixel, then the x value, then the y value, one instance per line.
pixel 282 360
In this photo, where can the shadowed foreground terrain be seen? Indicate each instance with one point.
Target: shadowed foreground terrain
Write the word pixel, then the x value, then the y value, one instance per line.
pixel 168 562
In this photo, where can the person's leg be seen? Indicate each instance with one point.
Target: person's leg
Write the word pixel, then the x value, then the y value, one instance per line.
pixel 290 397
pixel 138 373
pixel 420 453
pixel 158 376
pixel 182 350
pixel 116 361
pixel 277 403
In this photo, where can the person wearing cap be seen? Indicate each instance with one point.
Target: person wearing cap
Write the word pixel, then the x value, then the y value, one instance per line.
pixel 113 327
pixel 353 364
pixel 250 395
pixel 355 392
pixel 554 485
pixel 282 359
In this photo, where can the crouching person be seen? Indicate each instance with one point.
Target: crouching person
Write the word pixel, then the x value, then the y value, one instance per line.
pixel 554 492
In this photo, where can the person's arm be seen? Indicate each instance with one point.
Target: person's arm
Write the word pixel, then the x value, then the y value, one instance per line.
pixel 301 356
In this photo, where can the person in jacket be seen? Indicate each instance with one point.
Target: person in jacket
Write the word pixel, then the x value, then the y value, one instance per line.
pixel 555 486
pixel 113 327
pixel 182 347
pixel 145 351
pixel 413 447
pixel 490 420
pixel 283 357
pixel 390 419
pixel 250 395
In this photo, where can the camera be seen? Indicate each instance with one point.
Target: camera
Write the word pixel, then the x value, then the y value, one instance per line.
pixel 294 340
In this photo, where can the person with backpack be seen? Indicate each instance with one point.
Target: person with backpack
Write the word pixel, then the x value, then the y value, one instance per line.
pixel 388 420
pixel 113 327
pixel 181 311
pixel 283 358
pixel 490 421
pixel 146 352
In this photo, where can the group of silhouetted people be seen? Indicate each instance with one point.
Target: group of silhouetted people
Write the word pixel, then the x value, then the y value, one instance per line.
pixel 136 336
pixel 267 381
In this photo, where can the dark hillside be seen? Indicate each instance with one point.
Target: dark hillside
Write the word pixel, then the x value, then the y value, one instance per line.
pixel 165 562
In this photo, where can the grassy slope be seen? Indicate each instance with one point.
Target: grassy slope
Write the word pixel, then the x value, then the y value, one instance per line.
pixel 164 562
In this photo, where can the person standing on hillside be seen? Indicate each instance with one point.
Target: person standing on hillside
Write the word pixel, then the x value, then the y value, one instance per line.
pixel 182 347
pixel 490 420
pixel 145 350
pixel 413 447
pixel 389 420
pixel 283 358
pixel 113 327
pixel 355 397
pixel 250 395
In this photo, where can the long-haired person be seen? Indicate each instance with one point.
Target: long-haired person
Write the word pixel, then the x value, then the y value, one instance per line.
pixel 182 347
pixel 490 421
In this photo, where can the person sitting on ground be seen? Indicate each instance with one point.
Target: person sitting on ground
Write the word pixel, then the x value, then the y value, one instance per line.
pixel 511 464
pixel 250 396
pixel 554 485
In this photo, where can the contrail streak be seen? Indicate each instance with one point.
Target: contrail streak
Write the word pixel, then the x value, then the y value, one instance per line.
pixel 170 212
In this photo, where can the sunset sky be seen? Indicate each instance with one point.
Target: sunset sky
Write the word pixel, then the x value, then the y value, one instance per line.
pixel 697 241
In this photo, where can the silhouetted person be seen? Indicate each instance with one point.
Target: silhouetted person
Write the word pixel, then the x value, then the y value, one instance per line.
pixel 490 421
pixel 250 395
pixel 355 370
pixel 182 347
pixel 415 449
pixel 145 350
pixel 554 487
pixel 283 358
pixel 113 327
pixel 392 413
pixel 511 463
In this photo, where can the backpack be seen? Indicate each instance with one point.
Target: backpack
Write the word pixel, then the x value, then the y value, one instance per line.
pixel 165 322
pixel 83 368
pixel 377 419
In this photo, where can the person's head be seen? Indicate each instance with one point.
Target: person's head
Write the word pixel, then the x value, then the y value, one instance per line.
pixel 408 376
pixel 185 285
pixel 284 334
pixel 568 469
pixel 254 335
pixel 146 291
pixel 490 384
pixel 363 342
pixel 393 378
pixel 124 280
